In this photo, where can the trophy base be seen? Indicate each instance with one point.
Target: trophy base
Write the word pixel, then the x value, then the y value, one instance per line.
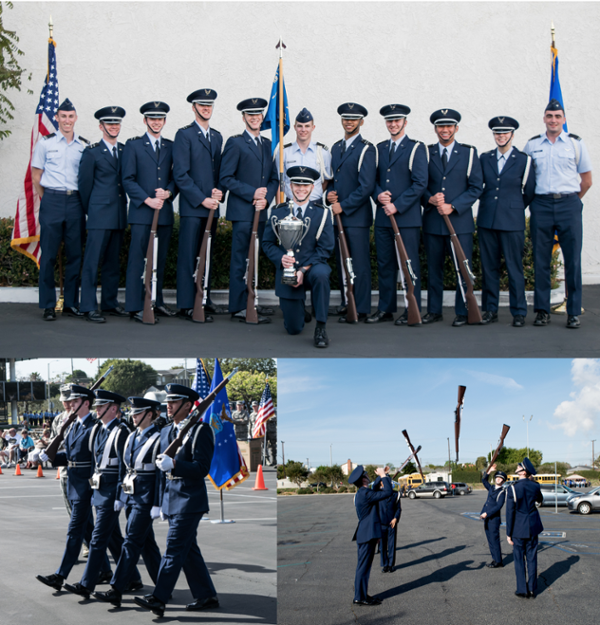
pixel 290 280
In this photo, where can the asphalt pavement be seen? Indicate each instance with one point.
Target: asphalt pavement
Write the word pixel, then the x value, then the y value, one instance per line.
pixel 25 335
pixel 440 576
pixel 240 556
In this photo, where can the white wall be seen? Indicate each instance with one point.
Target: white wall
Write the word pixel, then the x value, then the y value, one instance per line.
pixel 484 59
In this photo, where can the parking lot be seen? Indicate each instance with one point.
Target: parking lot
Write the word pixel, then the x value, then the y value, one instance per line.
pixel 241 558
pixel 440 575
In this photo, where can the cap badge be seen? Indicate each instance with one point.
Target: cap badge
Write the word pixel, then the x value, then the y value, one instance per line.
pixel 207 91
pixel 501 119
pixel 351 105
pixel 254 100
pixel 444 111
pixel 392 106
pixel 113 109
pixel 156 104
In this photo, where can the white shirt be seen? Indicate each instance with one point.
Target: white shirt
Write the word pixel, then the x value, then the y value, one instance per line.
pixel 446 147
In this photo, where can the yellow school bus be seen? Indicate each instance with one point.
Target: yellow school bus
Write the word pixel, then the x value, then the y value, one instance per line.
pixel 541 478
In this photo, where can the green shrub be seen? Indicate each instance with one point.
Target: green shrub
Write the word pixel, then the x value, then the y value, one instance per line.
pixel 306 491
pixel 470 477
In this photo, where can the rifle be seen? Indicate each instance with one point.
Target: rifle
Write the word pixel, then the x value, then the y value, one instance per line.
pixel 458 415
pixel 195 415
pixel 409 278
pixel 56 442
pixel 462 268
pixel 399 470
pixel 202 270
pixel 505 429
pixel 347 272
pixel 414 451
pixel 148 277
pixel 252 273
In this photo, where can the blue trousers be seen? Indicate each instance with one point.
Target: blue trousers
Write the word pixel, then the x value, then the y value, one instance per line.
pixel 366 552
pixel 388 545
pixel 61 219
pixel 525 552
pixel 102 249
pixel 564 216
pixel 492 533
pixel 81 513
pixel 182 552
pixel 240 242
pixel 360 252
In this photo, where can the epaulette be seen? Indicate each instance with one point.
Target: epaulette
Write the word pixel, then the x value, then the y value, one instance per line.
pixel 166 140
pixel 235 136
pixel 323 146
pixel 338 142
pixel 53 134
pixel 574 136
pixel 94 145
pixel 490 152
pixel 318 204
pixel 83 139
pixel 216 130
pixel 135 138
pixel 383 142
pixel 432 145
pixel 466 145
pixel 536 137
pixel 287 145
pixel 365 141
pixel 188 126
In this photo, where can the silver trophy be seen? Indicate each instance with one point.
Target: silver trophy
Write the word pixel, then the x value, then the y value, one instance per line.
pixel 290 232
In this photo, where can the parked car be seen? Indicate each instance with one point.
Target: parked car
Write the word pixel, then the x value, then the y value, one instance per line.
pixel 585 503
pixel 460 488
pixel 318 485
pixel 430 489
pixel 560 494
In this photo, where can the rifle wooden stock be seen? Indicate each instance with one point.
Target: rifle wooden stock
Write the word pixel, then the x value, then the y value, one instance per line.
pixel 505 429
pixel 251 312
pixel 351 315
pixel 458 414
pixel 410 446
pixel 195 415
pixel 414 316
pixel 198 313
pixel 148 314
pixel 473 312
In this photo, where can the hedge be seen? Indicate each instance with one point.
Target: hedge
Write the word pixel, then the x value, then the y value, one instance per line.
pixel 469 477
pixel 18 270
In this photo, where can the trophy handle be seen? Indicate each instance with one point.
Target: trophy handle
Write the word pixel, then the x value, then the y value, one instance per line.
pixel 274 223
pixel 306 229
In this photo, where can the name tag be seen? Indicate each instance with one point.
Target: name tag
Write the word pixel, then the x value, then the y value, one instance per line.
pixel 95 481
pixel 128 482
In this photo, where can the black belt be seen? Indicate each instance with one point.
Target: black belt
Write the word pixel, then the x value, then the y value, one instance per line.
pixel 59 192
pixel 556 196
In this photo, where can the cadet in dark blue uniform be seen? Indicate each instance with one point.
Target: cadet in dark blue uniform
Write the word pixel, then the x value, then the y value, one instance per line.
pixel 148 181
pixel 105 205
pixel 455 182
pixel 401 181
pixel 523 526
pixel 183 500
pixel 390 511
pixel 54 169
pixel 354 165
pixel 139 490
pixel 368 531
pixel 196 167
pixel 249 173
pixel 508 186
pixel 309 260
pixel 490 513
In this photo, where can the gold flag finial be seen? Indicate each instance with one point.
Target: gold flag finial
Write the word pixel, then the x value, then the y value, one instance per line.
pixel 51 27
pixel 553 33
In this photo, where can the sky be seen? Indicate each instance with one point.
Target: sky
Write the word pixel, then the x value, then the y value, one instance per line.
pixel 356 409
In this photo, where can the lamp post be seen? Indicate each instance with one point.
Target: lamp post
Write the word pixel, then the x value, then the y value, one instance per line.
pixel 527 423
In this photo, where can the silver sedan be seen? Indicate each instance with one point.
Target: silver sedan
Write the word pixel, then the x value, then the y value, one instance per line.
pixel 584 504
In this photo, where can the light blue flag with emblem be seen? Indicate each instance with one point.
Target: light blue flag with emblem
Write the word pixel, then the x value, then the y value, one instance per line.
pixel 271 120
pixel 555 90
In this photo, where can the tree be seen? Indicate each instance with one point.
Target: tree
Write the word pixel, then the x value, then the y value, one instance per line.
pixel 250 386
pixel 510 455
pixel 321 474
pixel 409 468
pixel 370 470
pixel 268 366
pixel 296 472
pixel 77 377
pixel 481 463
pixel 336 476
pixel 129 377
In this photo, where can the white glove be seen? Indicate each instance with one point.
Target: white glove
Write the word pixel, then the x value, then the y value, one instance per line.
pixel 119 505
pixel 155 512
pixel 44 456
pixel 162 515
pixel 164 462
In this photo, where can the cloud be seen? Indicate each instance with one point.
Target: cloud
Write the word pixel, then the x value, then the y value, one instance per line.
pixel 580 414
pixel 496 380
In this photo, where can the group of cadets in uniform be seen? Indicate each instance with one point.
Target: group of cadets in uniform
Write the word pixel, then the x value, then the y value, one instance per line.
pixel 414 184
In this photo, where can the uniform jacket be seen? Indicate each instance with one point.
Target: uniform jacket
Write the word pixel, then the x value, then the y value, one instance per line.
pixel 142 176
pixel 522 517
pixel 390 508
pixel 101 188
pixel 243 171
pixel 459 190
pixel 366 501
pixel 196 167
pixel 504 200
pixel 310 252
pixel 406 186
pixel 187 492
pixel 354 187
pixel 495 499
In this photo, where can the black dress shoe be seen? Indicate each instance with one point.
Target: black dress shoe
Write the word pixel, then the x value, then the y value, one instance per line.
pixel 402 319
pixel 321 339
pixel 95 317
pixel 495 565
pixel 135 585
pixel 542 319
pixel 54 581
pixel 118 311
pixel 188 313
pixel 342 309
pixel 78 589
pixel 139 317
pixel 523 595
pixel 367 601
pixel 361 317
pixel 379 316
pixel 241 316
pixel 164 311
pixel 203 604
pixel 265 311
pixel 151 603
pixel 531 595
pixel 49 314
pixel 573 322
pixel 72 312
pixel 432 317
pixel 104 578
pixel 111 596
pixel 489 317
pixel 518 321
pixel 215 309
pixel 459 320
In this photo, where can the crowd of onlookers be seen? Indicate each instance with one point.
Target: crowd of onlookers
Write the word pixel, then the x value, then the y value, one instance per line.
pixel 23 446
pixel 579 483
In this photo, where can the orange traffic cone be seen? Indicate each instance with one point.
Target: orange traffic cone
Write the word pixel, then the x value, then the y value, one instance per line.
pixel 40 473
pixel 0 470
pixel 18 469
pixel 57 474
pixel 260 481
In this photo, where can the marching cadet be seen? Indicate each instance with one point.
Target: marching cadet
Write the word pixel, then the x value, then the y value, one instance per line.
pixel 390 510
pixel 490 514
pixel 354 165
pixel 196 167
pixel 368 531
pixel 307 153
pixel 107 443
pixel 183 501
pixel 563 175
pixel 54 169
pixel 148 180
pixel 140 494
pixel 105 205
pixel 310 263
pixel 508 186
pixel 523 526
pixel 401 181
pixel 455 182
pixel 249 174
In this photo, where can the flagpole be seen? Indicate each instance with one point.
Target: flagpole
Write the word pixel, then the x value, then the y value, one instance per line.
pixel 281 195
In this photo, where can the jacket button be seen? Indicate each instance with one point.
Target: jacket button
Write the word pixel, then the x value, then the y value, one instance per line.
pixel 120 195
pixel 387 180
pixel 495 198
pixel 388 170
pixel 159 179
pixel 498 179
pixel 497 188
pixel 159 168
pixel 444 178
pixel 443 188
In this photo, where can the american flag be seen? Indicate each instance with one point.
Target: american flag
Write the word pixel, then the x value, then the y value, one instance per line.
pixel 202 380
pixel 26 231
pixel 265 412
